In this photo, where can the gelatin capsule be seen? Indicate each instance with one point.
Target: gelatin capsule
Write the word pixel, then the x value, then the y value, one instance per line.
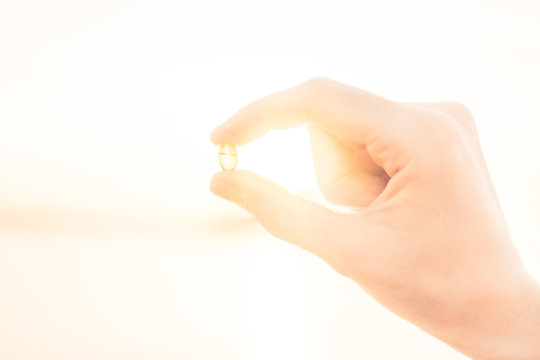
pixel 228 158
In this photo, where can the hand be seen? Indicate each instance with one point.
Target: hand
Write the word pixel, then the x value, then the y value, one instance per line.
pixel 427 237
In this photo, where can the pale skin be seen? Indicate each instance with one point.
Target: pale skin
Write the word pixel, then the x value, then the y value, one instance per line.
pixel 427 237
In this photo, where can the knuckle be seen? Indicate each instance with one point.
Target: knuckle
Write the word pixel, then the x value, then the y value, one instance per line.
pixel 317 85
pixel 439 132
pixel 447 130
pixel 319 81
pixel 445 146
pixel 459 109
pixel 312 91
pixel 459 112
pixel 463 117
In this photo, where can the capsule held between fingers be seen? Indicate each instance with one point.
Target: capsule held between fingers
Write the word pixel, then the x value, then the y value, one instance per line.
pixel 228 157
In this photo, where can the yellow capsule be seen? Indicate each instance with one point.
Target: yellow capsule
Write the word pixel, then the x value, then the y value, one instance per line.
pixel 228 158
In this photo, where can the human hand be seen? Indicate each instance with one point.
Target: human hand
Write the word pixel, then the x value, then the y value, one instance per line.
pixel 427 237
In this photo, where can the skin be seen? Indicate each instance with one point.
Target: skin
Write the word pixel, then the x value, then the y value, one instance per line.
pixel 427 237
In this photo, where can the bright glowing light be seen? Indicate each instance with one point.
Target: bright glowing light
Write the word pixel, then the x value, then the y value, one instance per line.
pixel 105 110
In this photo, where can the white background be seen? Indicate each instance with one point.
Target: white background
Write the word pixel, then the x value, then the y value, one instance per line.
pixel 112 247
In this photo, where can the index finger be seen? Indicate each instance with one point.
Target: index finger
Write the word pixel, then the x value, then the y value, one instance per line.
pixel 342 110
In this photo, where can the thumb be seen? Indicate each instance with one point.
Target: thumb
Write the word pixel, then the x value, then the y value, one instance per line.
pixel 285 215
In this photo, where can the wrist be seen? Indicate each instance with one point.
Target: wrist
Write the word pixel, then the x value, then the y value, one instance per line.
pixel 499 321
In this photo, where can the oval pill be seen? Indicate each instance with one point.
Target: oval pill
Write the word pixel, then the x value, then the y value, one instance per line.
pixel 228 158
